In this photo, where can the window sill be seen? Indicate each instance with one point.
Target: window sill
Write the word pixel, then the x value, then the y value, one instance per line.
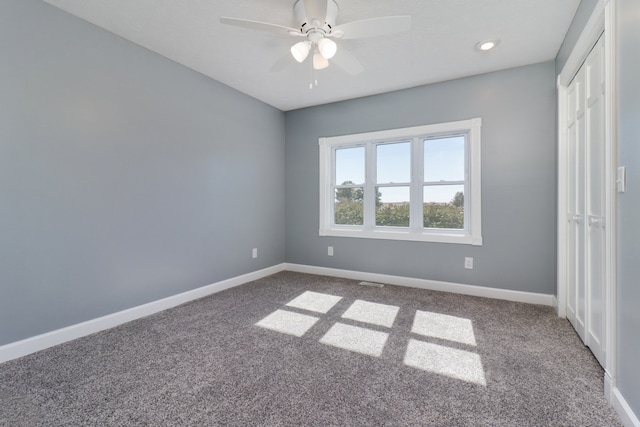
pixel 411 236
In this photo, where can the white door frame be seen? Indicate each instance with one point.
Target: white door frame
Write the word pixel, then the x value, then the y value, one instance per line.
pixel 602 20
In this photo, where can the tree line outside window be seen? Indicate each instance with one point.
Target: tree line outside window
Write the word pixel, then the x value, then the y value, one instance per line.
pixel 349 210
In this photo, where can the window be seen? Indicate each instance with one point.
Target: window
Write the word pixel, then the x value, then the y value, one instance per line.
pixel 420 183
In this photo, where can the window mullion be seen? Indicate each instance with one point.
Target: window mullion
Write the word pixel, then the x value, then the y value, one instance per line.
pixel 331 185
pixel 467 179
pixel 445 183
pixel 370 187
pixel 417 172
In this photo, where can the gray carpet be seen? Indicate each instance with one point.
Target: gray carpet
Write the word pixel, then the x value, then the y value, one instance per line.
pixel 245 357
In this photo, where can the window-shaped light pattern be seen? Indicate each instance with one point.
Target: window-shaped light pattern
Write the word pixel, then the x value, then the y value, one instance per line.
pixel 287 322
pixel 451 362
pixel 314 301
pixel 443 344
pixel 372 313
pixel 356 339
pixel 443 326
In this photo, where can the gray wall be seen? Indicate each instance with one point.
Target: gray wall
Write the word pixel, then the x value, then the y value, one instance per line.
pixel 124 177
pixel 628 109
pixel 517 108
pixel 573 34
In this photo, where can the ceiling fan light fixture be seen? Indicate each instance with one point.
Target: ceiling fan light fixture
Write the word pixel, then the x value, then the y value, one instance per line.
pixel 300 50
pixel 319 62
pixel 327 48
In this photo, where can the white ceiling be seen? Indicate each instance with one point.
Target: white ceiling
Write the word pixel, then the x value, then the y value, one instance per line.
pixel 439 47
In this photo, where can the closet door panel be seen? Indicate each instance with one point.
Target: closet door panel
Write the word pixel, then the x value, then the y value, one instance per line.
pixel 595 202
pixel 586 183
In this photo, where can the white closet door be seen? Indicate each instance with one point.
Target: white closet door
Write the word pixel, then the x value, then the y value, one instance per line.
pixel 586 245
pixel 577 301
pixel 574 229
pixel 595 200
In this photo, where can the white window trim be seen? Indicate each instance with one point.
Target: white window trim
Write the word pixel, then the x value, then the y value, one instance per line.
pixel 471 235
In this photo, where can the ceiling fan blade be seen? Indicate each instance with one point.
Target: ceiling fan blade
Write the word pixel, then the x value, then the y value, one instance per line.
pixel 257 25
pixel 349 63
pixel 316 9
pixel 373 27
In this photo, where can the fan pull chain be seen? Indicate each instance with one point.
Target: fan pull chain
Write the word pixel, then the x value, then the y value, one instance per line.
pixel 313 81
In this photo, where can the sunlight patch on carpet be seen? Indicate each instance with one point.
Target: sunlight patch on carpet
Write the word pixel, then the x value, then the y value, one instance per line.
pixel 314 301
pixel 356 339
pixel 442 326
pixel 295 324
pixel 450 362
pixel 371 312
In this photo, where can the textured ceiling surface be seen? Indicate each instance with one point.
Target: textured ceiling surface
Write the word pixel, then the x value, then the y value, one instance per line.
pixel 439 47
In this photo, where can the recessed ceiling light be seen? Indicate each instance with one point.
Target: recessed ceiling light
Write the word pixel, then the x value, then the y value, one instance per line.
pixel 487 45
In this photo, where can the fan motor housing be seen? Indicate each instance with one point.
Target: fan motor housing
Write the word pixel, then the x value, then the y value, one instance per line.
pixel 307 24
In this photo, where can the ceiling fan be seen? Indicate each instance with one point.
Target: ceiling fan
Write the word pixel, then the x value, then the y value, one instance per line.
pixel 316 20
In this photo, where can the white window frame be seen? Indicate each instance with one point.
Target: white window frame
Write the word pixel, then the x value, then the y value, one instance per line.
pixel 471 234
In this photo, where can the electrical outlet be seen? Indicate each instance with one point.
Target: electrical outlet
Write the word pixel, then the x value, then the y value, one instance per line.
pixel 254 253
pixel 330 250
pixel 468 263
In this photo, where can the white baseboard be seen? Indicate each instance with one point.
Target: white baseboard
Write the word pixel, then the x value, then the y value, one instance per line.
pixel 628 418
pixel 433 285
pixel 50 339
pixel 554 304
pixel 59 336
pixel 608 387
